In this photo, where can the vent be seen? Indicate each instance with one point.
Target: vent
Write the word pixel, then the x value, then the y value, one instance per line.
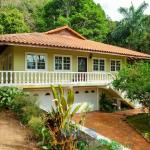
pixel 77 92
pixel 47 94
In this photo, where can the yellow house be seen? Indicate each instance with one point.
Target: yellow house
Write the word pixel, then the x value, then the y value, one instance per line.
pixel 34 61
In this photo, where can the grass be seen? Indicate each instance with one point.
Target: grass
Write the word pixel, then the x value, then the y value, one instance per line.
pixel 141 123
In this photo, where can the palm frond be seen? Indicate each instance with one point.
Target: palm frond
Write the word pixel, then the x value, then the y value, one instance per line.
pixel 124 12
pixel 142 8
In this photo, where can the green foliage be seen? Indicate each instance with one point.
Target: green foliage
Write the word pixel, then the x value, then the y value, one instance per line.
pixel 1 29
pixel 84 16
pixel 25 107
pixel 141 122
pixel 12 21
pixel 125 34
pixel 37 126
pixel 7 95
pixel 102 145
pixel 105 103
pixel 135 81
pixel 59 120
pixel 31 10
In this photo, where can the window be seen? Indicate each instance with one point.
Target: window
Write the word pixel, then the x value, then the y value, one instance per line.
pixel 36 61
pixel 62 63
pixel 115 65
pixel 99 65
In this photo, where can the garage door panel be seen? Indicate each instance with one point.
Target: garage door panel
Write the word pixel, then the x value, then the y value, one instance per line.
pixel 86 96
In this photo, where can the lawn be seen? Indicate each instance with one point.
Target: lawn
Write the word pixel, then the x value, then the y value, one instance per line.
pixel 141 123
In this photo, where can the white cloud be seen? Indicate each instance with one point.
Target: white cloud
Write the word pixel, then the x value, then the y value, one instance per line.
pixel 111 6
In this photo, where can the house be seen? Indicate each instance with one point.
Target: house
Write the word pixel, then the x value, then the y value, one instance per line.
pixel 34 61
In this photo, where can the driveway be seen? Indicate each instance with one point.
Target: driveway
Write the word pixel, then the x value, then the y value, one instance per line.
pixel 113 126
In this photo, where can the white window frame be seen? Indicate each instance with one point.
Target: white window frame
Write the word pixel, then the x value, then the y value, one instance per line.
pixel 60 55
pixel 34 53
pixel 98 60
pixel 115 64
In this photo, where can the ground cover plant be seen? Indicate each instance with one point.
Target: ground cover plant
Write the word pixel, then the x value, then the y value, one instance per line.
pixel 141 123
pixel 54 130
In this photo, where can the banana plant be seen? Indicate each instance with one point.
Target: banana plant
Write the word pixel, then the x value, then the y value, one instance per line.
pixel 64 107
pixel 59 119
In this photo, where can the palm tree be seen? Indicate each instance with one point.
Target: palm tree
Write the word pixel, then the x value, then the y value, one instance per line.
pixel 133 22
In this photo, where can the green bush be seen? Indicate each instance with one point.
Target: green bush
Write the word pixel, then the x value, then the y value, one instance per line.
pixel 104 144
pixel 7 94
pixel 105 104
pixel 25 107
pixel 36 124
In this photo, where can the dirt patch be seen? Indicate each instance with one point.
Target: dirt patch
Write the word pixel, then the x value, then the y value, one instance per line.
pixel 13 135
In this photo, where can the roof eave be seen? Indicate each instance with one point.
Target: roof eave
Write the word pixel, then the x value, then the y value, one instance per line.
pixel 77 49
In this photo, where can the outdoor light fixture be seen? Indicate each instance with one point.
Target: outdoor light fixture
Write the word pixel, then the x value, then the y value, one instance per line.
pixel 90 55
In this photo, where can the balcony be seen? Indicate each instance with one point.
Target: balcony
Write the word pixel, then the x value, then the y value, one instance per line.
pixel 45 79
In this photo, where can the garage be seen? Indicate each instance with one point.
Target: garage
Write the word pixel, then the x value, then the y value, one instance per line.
pixel 84 95
pixel 88 96
pixel 44 99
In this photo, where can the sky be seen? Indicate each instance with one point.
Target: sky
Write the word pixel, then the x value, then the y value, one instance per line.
pixel 111 7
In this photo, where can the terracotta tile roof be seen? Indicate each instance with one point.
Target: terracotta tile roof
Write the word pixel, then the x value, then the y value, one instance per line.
pixel 67 38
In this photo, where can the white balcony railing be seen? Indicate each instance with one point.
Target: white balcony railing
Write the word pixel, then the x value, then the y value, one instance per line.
pixel 14 78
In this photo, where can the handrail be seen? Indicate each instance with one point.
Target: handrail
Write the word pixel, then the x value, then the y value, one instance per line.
pixel 46 77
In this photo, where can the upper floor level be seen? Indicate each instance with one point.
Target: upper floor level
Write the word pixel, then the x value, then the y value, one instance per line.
pixel 59 56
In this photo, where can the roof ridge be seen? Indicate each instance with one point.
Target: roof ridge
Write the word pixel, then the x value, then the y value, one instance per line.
pixel 63 28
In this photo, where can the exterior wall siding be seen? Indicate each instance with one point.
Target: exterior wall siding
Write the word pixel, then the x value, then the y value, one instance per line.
pixel 20 52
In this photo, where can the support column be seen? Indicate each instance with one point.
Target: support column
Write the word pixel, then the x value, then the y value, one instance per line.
pixel 118 104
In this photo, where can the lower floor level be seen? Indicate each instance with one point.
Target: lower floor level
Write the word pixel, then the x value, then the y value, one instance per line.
pixel 83 95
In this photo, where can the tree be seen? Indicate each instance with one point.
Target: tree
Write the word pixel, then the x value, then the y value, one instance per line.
pixel 132 30
pixel 135 82
pixel 84 16
pixel 31 10
pixel 12 21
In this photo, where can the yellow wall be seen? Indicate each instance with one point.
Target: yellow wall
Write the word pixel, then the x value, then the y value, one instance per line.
pixel 19 58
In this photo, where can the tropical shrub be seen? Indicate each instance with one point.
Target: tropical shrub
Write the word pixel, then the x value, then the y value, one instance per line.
pixel 59 120
pixel 7 94
pixel 36 124
pixel 134 80
pixel 25 107
pixel 105 104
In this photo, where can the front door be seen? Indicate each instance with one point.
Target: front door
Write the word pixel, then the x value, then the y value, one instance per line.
pixel 82 64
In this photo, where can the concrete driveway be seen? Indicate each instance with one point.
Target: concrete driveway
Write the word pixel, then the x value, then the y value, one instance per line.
pixel 113 126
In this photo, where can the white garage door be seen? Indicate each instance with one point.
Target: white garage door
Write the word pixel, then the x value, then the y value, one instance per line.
pixel 88 96
pixel 45 99
pixel 82 95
